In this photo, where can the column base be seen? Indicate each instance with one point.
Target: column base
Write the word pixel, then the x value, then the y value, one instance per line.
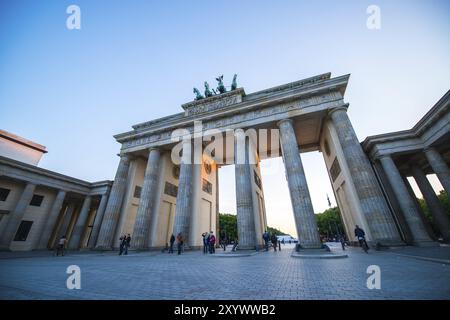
pixel 102 249
pixel 321 246
pixel 425 243
pixel 321 253
pixel 247 247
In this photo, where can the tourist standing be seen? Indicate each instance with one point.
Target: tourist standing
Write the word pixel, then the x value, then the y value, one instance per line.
pixel 205 242
pixel 274 241
pixel 127 243
pixel 212 243
pixel 172 240
pixel 179 242
pixel 123 240
pixel 61 245
pixel 266 240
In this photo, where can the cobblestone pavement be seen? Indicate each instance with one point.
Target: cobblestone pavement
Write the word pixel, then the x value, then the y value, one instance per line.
pixel 192 275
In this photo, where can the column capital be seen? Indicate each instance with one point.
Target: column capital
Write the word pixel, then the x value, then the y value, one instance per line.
pixel 384 156
pixel 343 107
pixel 153 149
pixel 125 156
pixel 428 148
pixel 285 120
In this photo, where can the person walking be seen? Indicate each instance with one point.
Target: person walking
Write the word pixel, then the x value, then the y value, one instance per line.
pixel 212 243
pixel 172 240
pixel 235 244
pixel 274 241
pixel 266 240
pixel 61 245
pixel 361 236
pixel 179 242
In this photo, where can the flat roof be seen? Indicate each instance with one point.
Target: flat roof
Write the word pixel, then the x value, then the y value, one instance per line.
pixel 22 141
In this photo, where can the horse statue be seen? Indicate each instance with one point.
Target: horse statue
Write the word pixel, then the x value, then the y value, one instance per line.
pixel 220 86
pixel 234 83
pixel 208 92
pixel 198 95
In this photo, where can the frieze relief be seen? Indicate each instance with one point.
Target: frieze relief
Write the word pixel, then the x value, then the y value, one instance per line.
pixel 240 117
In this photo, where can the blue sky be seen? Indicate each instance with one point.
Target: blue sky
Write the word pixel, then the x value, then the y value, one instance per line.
pixel 133 61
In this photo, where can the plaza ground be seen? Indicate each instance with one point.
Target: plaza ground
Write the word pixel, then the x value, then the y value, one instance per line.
pixel 193 275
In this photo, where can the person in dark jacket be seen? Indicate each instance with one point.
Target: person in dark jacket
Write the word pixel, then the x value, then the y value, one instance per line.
pixel 361 236
pixel 122 240
pixel 180 241
pixel 172 240
pixel 274 240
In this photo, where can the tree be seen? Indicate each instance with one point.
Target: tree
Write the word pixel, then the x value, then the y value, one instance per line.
pixel 443 198
pixel 329 222
pixel 228 227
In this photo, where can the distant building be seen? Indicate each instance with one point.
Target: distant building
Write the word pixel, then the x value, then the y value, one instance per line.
pixel 38 206
pixel 20 149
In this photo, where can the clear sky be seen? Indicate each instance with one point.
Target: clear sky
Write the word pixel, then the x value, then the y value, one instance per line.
pixel 133 61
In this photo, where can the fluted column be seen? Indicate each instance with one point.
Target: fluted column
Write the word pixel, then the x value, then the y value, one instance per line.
pixel 50 221
pixel 80 224
pixel 145 212
pixel 63 229
pixel 305 220
pixel 183 211
pixel 15 217
pixel 98 220
pixel 433 203
pixel 112 213
pixel 439 167
pixel 244 201
pixel 409 209
pixel 372 201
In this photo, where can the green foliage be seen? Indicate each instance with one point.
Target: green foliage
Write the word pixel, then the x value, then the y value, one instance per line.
pixel 329 222
pixel 443 198
pixel 228 227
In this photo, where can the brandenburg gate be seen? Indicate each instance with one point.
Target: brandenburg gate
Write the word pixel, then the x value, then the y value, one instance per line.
pixel 153 197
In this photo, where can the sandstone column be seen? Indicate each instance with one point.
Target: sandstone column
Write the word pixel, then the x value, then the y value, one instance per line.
pixel 439 167
pixel 244 200
pixel 98 220
pixel 183 210
pixel 15 217
pixel 112 213
pixel 433 203
pixel 65 222
pixel 410 211
pixel 305 220
pixel 145 212
pixel 80 224
pixel 372 201
pixel 50 220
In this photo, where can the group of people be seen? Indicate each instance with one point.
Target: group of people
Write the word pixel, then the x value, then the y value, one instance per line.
pixel 209 242
pixel 125 241
pixel 273 239
pixel 180 241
